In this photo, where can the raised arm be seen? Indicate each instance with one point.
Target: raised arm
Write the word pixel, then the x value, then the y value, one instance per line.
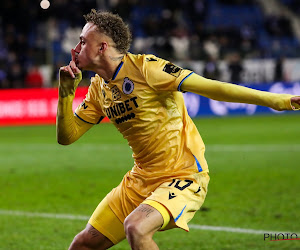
pixel 69 128
pixel 227 92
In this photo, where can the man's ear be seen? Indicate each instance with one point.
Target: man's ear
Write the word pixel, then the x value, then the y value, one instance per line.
pixel 103 47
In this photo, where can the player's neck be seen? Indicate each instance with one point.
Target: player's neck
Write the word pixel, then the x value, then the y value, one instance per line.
pixel 109 66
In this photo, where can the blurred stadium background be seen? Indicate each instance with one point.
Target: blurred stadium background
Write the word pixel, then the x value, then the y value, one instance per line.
pixel 250 41
pixel 253 42
pixel 253 157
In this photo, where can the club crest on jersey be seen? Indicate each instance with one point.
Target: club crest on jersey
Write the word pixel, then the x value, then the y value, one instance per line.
pixel 128 86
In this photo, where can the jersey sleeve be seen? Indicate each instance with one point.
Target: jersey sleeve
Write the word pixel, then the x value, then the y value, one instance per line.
pixel 227 92
pixel 90 110
pixel 163 75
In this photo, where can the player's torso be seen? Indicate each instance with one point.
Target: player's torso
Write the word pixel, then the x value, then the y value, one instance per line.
pixel 150 120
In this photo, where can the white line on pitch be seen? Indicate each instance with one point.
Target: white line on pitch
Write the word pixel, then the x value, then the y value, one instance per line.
pixel 44 215
pixel 85 218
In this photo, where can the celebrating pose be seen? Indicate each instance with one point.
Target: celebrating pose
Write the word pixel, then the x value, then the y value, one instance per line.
pixel 141 95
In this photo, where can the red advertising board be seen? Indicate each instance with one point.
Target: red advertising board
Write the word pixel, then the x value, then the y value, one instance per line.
pixel 32 106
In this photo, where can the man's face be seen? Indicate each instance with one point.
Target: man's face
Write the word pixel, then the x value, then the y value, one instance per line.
pixel 88 47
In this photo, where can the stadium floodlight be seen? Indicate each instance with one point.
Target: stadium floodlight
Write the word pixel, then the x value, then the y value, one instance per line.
pixel 45 4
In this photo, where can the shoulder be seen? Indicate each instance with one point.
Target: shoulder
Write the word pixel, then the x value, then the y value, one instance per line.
pixel 144 58
pixel 96 83
pixel 96 80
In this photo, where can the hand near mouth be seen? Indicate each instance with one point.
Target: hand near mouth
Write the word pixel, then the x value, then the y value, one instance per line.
pixel 69 77
pixel 72 68
pixel 74 57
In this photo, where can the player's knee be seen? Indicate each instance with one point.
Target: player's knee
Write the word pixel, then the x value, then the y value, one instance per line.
pixel 136 229
pixel 133 228
pixel 86 240
pixel 78 241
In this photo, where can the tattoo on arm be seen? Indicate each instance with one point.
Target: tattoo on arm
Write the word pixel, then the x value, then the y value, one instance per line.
pixel 144 209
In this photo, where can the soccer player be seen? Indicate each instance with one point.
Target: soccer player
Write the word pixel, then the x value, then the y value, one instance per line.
pixel 141 95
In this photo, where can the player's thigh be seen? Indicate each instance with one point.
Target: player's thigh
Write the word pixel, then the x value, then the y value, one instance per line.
pixel 144 220
pixel 107 223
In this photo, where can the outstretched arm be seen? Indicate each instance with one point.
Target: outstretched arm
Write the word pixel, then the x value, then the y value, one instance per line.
pixel 227 92
pixel 68 127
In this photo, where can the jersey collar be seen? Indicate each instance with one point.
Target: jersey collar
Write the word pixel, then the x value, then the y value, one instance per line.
pixel 117 71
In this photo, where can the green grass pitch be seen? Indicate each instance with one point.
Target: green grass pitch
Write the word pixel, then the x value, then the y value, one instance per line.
pixel 255 183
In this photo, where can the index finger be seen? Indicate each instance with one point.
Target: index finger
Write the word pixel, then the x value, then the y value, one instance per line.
pixel 73 55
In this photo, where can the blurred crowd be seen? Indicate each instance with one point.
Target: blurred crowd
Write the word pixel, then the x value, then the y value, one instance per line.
pixel 178 30
pixel 293 5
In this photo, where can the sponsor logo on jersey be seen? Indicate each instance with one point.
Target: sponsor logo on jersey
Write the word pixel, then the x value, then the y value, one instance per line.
pixel 116 94
pixel 83 105
pixel 125 118
pixel 172 69
pixel 171 195
pixel 122 110
pixel 151 59
pixel 128 86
